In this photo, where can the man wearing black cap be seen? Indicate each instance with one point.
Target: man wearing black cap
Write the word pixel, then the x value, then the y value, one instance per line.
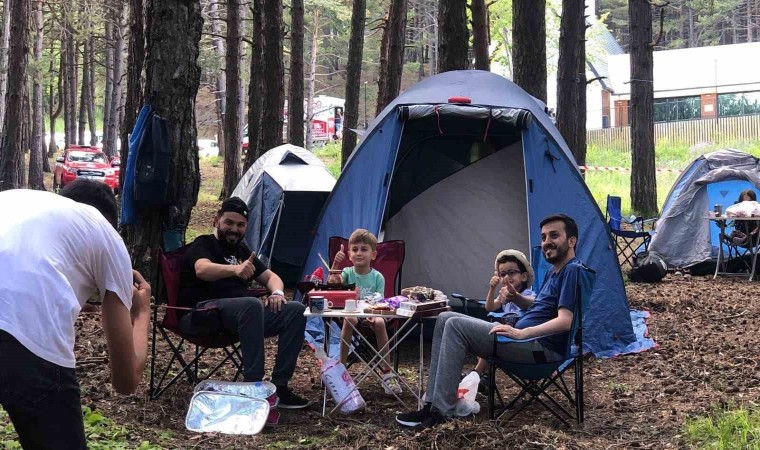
pixel 215 272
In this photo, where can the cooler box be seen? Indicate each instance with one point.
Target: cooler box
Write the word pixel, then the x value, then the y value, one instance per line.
pixel 337 298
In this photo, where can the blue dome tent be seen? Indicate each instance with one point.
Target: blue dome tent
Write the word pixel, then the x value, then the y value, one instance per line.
pixel 460 181
pixel 285 190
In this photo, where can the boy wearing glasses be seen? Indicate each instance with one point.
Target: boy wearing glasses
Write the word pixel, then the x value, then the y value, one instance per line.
pixel 515 274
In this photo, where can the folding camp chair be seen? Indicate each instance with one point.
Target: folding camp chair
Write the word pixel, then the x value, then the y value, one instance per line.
pixel 389 262
pixel 167 298
pixel 627 242
pixel 536 379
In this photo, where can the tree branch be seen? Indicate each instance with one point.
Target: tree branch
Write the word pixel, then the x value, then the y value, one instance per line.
pixel 662 6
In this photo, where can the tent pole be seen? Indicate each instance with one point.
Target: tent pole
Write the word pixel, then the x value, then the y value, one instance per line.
pixel 276 227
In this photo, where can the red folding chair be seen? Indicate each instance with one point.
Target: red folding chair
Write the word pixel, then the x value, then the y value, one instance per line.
pixel 168 300
pixel 389 261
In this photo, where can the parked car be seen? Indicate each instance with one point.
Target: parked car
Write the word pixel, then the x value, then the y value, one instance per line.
pixel 86 162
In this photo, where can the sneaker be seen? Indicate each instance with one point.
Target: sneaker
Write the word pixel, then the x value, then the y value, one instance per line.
pixel 287 399
pixel 424 418
pixel 390 384
pixel 415 418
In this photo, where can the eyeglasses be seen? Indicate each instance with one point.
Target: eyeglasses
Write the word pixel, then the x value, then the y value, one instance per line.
pixel 509 273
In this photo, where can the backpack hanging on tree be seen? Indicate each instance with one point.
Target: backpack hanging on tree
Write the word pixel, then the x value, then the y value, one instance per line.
pixel 153 167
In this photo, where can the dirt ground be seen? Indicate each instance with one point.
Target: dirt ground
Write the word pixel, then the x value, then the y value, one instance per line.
pixel 707 357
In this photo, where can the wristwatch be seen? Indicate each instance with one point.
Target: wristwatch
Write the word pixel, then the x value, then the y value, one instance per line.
pixel 278 292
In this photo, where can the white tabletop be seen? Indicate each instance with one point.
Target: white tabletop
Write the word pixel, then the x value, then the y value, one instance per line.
pixel 342 314
pixel 724 218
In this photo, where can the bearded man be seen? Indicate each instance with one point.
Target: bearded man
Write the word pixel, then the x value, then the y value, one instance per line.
pixel 215 272
pixel 549 315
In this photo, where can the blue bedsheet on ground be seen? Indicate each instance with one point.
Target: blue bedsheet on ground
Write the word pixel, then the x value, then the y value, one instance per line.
pixel 640 328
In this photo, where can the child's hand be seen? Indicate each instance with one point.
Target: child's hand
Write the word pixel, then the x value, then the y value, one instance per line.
pixel 334 279
pixel 494 280
pixel 508 293
pixel 339 257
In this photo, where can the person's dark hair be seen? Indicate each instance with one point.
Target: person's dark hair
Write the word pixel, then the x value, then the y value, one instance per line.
pixel 96 194
pixel 571 228
pixel 509 258
pixel 749 193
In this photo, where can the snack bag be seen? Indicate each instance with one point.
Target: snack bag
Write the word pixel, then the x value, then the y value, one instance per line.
pixel 340 384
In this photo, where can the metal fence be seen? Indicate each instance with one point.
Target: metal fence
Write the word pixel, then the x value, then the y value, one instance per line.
pixel 719 131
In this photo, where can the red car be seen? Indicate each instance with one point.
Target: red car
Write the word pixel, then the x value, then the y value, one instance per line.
pixel 86 162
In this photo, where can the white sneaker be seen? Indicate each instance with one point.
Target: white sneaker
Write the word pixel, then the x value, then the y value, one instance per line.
pixel 390 384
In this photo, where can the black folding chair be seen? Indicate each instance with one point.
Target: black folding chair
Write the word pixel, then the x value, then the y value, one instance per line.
pixel 536 379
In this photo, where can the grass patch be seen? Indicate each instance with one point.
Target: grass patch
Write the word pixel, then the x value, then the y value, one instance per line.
pixel 101 432
pixel 726 429
pixel 330 155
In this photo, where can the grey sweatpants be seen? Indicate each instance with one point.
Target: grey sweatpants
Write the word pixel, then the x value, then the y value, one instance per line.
pixel 457 334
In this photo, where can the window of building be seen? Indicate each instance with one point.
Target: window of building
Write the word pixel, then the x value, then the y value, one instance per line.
pixel 739 104
pixel 677 108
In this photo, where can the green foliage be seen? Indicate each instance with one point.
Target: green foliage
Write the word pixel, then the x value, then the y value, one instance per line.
pixel 726 429
pixel 101 432
pixel 330 155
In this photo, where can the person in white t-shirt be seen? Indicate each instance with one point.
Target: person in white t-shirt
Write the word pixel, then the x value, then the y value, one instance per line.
pixel 55 252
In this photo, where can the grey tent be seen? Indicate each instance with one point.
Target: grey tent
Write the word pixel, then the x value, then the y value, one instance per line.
pixel 684 236
pixel 285 190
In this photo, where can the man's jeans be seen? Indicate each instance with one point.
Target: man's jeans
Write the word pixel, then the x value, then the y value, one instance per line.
pixel 246 318
pixel 41 398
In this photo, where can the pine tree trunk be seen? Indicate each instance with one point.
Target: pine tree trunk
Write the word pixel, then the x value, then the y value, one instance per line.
pixel 353 78
pixel 11 150
pixel 643 180
pixel 312 78
pixel 273 76
pixel 91 95
pixel 255 86
pixel 37 154
pixel 55 103
pixel 432 36
pixel 173 34
pixel 571 78
pixel 84 96
pixel 108 58
pixel 396 31
pixel 232 117
pixel 109 147
pixel 480 34
pixel 382 74
pixel 43 144
pixel 221 78
pixel 295 102
pixel 453 37
pixel 4 40
pixel 529 46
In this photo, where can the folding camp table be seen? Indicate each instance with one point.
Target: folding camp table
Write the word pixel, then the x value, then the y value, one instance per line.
pixel 752 248
pixel 408 324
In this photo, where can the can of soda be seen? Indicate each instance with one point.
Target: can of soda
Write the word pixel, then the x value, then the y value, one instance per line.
pixel 718 209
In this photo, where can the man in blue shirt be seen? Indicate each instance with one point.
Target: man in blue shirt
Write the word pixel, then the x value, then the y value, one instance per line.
pixel 551 315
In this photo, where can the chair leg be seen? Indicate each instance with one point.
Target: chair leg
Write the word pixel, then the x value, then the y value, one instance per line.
pixel 491 389
pixel 579 406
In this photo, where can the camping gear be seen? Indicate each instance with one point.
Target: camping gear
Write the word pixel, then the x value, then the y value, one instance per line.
pixel 456 181
pixel 285 190
pixel 337 299
pixel 685 237
pixel 648 267
pixel 222 409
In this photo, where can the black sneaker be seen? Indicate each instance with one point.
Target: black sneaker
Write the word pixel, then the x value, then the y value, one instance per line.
pixel 415 418
pixel 287 399
pixel 433 419
pixel 483 385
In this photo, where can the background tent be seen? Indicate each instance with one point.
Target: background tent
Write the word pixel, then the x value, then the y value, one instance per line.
pixel 285 190
pixel 684 237
pixel 459 182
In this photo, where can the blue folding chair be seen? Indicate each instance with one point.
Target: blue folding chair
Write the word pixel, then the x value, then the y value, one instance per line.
pixel 627 241
pixel 535 379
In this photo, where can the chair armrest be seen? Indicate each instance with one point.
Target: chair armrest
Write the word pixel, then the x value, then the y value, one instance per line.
pixel 506 340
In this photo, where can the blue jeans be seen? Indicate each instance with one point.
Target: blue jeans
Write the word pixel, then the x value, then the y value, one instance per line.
pixel 41 398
